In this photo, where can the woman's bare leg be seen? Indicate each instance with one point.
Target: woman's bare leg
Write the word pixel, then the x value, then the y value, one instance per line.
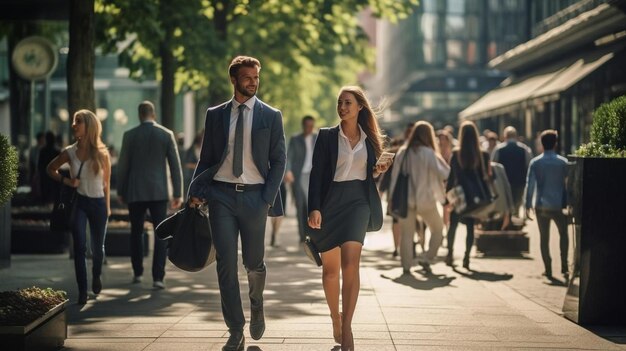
pixel 331 263
pixel 350 264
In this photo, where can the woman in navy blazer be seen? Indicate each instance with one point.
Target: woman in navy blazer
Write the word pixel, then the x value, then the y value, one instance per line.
pixel 344 202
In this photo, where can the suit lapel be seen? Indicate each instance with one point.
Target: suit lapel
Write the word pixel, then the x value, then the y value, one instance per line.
pixel 333 143
pixel 257 115
pixel 226 119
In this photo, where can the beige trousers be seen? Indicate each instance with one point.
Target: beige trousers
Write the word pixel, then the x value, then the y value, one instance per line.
pixel 433 220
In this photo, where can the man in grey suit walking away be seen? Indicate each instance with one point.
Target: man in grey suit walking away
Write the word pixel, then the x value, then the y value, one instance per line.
pixel 143 185
pixel 299 164
pixel 241 166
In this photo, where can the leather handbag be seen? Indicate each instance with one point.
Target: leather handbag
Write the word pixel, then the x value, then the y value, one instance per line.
pixel 64 210
pixel 189 237
pixel 312 252
pixel 400 197
pixel 473 191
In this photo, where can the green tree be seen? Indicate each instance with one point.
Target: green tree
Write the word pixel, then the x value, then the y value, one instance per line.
pixel 307 48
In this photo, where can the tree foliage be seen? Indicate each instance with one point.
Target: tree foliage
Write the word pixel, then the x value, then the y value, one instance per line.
pixel 308 48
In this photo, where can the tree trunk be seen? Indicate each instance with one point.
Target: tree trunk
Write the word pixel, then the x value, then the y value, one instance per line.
pixel 18 87
pixel 81 57
pixel 168 67
pixel 168 97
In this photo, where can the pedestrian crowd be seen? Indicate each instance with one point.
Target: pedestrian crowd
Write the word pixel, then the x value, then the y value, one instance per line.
pixel 239 167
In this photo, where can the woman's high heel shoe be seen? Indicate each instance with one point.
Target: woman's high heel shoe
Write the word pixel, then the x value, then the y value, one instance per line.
pixel 348 345
pixel 337 327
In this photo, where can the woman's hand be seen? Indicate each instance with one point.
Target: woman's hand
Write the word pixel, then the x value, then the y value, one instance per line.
pixel 381 168
pixel 73 182
pixel 315 219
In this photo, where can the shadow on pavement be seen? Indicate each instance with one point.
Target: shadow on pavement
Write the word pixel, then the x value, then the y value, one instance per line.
pixel 613 334
pixel 432 281
pixel 486 276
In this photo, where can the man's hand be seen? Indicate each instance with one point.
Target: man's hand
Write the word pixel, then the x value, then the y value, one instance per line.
pixel 176 202
pixel 289 178
pixel 196 201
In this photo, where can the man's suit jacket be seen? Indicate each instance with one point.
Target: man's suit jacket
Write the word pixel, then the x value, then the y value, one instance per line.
pixel 323 173
pixel 142 175
pixel 268 151
pixel 296 154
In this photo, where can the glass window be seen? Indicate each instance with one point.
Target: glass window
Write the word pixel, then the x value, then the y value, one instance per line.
pixel 454 50
pixel 473 27
pixel 472 83
pixel 428 26
pixel 471 53
pixel 455 27
pixel 450 83
pixel 429 6
pixel 456 6
pixel 494 5
pixel 473 6
pixel 428 49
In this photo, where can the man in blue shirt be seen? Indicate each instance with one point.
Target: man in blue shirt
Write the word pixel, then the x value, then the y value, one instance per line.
pixel 547 174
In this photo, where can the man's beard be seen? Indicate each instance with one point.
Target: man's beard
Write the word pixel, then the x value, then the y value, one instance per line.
pixel 243 91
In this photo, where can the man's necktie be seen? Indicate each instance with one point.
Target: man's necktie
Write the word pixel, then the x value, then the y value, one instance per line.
pixel 238 155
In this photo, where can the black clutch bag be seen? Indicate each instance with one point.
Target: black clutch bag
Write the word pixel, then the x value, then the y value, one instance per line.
pixel 311 251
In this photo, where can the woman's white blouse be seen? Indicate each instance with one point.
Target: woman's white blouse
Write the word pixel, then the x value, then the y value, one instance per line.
pixel 351 163
pixel 91 184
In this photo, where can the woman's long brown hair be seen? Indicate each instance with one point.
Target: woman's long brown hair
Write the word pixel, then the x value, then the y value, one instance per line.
pixel 469 147
pixel 423 134
pixel 367 118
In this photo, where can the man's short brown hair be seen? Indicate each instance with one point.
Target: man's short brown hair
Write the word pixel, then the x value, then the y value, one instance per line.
pixel 549 138
pixel 242 61
pixel 146 109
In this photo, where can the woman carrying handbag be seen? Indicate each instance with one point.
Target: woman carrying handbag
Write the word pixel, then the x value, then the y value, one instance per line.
pixel 469 165
pixel 90 157
pixel 427 171
pixel 344 203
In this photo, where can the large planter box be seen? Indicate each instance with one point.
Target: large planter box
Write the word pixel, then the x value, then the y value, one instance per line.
pixel 502 242
pixel 35 237
pixel 46 333
pixel 117 242
pixel 597 290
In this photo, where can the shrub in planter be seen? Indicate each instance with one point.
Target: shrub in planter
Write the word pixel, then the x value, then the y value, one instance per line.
pixel 8 169
pixel 608 131
pixel 21 307
pixel 597 189
pixel 33 319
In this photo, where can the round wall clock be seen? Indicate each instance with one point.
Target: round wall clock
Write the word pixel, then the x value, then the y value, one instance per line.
pixel 34 58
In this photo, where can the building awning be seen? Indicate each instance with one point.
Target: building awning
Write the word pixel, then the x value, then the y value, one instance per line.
pixel 573 74
pixel 543 83
pixel 512 91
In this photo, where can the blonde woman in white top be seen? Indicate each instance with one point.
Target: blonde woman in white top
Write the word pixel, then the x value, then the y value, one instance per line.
pixel 89 160
pixel 427 172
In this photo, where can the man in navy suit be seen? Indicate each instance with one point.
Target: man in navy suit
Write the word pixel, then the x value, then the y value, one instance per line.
pixel 241 166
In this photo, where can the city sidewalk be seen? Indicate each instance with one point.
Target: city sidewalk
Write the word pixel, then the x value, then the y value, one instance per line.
pixel 502 304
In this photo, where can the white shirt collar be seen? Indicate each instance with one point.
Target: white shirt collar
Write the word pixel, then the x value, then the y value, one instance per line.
pixel 249 103
pixel 363 135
